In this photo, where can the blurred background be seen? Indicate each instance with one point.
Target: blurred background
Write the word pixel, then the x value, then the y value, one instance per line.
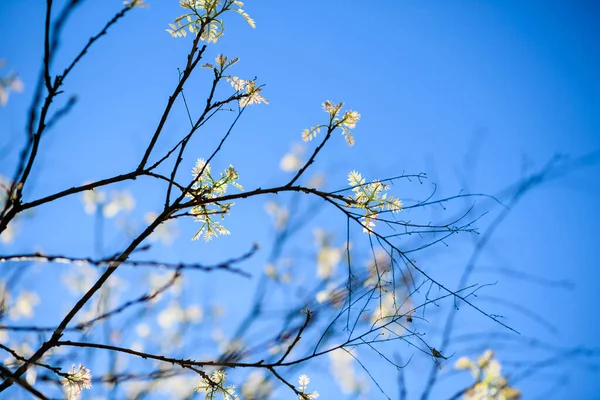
pixel 479 96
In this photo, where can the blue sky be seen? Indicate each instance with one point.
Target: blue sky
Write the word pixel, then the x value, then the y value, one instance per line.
pixel 475 94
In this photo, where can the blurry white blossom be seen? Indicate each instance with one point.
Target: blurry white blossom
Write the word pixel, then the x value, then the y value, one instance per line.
pixel 22 349
pixel 117 283
pixel 232 349
pixel 280 214
pixel 23 305
pixel 91 199
pixel 171 315
pixel 143 330
pixel 328 257
pixel 4 298
pixel 9 233
pixel 333 294
pixel 379 269
pixel 9 83
pixel 78 280
pixel 135 3
pixel 286 277
pixel 158 280
pixel 178 387
pixel 31 375
pixel 194 313
pixel 256 387
pixel 119 200
pixel 292 160
pixel 342 369
pixel 391 308
pixel 489 382
pixel 174 314
pixel 272 272
pixel 281 344
pixel 133 389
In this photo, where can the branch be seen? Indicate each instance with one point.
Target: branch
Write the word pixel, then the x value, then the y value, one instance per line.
pixel 10 377
pixel 330 129
pixel 226 265
pixel 191 64
pixel 298 335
